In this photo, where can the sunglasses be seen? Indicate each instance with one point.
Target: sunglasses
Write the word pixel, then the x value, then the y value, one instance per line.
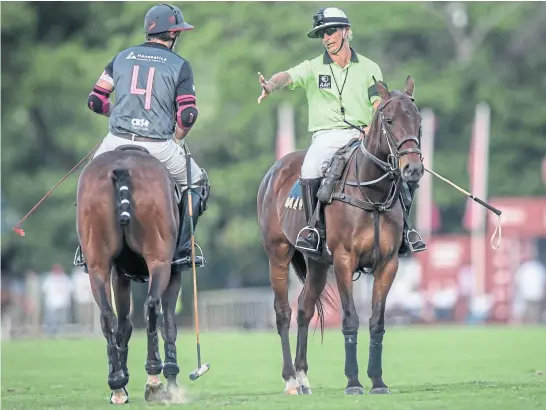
pixel 329 31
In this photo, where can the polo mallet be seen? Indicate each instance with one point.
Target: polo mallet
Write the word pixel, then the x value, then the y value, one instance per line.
pixel 498 212
pixel 201 368
pixel 17 228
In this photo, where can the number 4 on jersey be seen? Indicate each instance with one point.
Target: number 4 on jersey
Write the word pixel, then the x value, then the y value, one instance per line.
pixel 147 92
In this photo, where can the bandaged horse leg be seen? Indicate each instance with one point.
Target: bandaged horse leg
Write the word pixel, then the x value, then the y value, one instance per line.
pixel 199 195
pixel 154 389
pixel 382 283
pixel 309 296
pixel 343 269
pixel 122 290
pixel 411 239
pixel 169 332
pixel 117 378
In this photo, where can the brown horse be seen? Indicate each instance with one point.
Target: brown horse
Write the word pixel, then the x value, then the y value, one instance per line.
pixel 364 222
pixel 127 217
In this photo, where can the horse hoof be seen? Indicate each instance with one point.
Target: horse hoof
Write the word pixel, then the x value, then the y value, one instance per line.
pixel 354 391
pixel 175 394
pixel 306 390
pixel 293 391
pixel 380 390
pixel 154 392
pixel 119 396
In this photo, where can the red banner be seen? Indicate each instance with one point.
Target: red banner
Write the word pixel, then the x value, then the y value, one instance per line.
pixel 444 274
pixel 522 218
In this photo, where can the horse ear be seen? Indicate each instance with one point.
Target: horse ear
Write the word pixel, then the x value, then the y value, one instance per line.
pixel 410 86
pixel 381 89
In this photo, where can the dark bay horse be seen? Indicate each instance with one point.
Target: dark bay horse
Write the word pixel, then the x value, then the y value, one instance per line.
pixel 364 223
pixel 127 221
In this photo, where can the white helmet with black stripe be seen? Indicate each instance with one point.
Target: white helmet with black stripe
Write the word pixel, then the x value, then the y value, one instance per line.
pixel 328 17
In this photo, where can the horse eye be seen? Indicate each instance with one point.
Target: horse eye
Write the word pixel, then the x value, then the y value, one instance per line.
pixel 389 121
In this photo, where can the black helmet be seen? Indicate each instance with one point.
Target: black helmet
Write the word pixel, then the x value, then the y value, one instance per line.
pixel 164 17
pixel 328 17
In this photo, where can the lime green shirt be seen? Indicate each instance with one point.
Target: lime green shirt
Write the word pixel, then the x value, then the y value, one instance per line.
pixel 357 97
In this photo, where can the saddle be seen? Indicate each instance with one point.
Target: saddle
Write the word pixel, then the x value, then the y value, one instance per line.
pixel 129 147
pixel 332 171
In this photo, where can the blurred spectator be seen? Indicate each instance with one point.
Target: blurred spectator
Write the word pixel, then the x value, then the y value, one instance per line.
pixel 530 286
pixel 6 306
pixel 405 293
pixel 83 298
pixel 466 289
pixel 444 301
pixel 479 308
pixel 57 289
pixel 475 308
pixel 33 304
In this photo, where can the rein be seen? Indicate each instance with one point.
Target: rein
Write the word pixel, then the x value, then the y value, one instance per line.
pixel 390 167
pixel 390 170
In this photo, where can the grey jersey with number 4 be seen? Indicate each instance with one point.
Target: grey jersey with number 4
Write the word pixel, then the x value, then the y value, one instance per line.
pixel 147 80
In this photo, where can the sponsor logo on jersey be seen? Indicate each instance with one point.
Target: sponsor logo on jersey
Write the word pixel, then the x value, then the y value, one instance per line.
pixel 140 124
pixel 146 57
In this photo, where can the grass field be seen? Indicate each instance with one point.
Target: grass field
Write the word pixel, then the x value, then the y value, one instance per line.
pixel 441 368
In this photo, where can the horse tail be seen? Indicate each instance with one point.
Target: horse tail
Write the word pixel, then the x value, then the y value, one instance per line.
pixel 325 298
pixel 122 182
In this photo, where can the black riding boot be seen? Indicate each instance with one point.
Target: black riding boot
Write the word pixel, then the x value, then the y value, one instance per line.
pixel 311 241
pixel 411 239
pixel 182 255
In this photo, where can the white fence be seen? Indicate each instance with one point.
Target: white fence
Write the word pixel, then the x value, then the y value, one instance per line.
pixel 24 313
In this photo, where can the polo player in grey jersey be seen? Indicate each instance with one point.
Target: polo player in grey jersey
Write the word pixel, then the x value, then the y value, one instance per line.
pixel 155 108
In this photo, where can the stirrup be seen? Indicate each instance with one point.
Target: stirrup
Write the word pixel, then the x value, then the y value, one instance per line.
pixel 186 261
pixel 78 258
pixel 303 248
pixel 417 245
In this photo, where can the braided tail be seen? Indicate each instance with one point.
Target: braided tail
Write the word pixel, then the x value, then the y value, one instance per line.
pixel 122 182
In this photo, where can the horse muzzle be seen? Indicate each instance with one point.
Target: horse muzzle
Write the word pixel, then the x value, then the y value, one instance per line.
pixel 412 172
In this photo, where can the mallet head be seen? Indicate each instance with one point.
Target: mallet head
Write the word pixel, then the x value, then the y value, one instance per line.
pixel 199 372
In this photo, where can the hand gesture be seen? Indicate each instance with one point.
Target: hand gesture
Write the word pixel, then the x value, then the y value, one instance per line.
pixel 267 87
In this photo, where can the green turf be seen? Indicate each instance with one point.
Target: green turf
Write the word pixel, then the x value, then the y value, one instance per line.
pixel 426 368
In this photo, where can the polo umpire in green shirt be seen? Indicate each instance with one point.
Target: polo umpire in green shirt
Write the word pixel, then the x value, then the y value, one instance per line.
pixel 339 86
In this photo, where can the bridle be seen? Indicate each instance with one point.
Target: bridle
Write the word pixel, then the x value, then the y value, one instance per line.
pixel 393 159
pixel 390 170
pixel 391 166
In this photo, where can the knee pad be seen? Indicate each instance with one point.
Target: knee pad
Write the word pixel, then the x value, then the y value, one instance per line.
pixel 332 175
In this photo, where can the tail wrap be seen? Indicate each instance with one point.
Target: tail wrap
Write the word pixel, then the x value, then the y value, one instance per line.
pixel 122 181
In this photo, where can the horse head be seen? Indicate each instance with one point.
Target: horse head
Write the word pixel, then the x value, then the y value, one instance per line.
pixel 395 132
